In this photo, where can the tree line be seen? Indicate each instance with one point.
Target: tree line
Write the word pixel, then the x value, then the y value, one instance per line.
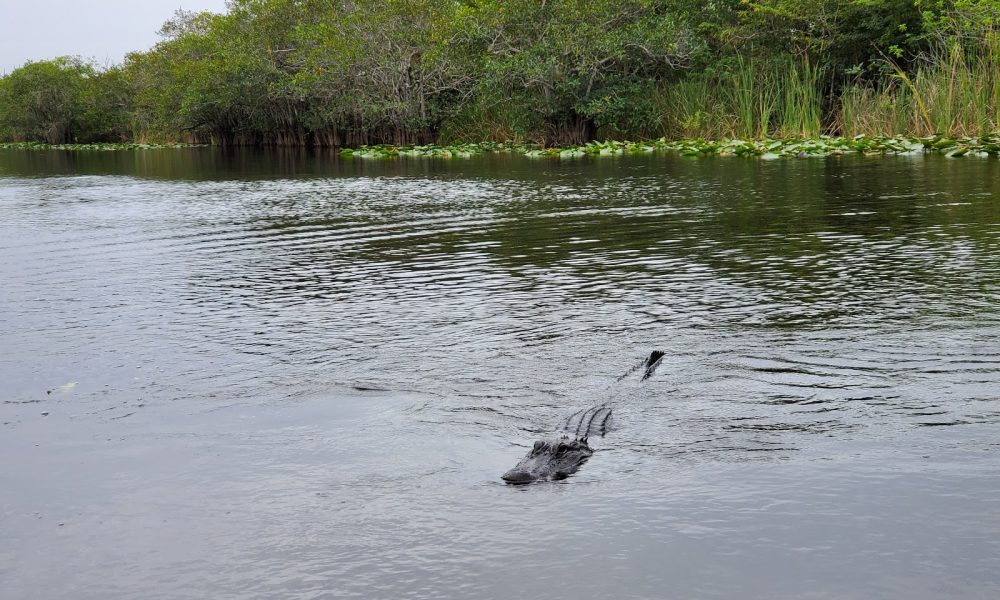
pixel 554 72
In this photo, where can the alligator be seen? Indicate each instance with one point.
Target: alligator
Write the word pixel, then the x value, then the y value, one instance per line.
pixel 555 459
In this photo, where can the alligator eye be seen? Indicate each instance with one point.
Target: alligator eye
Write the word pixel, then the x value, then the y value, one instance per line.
pixel 539 445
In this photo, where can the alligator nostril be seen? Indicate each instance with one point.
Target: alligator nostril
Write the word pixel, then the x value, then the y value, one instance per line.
pixel 515 476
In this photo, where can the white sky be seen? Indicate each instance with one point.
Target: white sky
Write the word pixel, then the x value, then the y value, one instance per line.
pixel 105 30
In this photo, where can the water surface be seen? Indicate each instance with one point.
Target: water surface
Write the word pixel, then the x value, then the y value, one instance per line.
pixel 264 374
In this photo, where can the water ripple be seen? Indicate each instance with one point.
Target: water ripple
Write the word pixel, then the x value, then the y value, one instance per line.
pixel 328 372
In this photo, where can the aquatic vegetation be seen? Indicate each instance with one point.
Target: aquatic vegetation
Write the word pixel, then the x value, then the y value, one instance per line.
pixel 821 146
pixel 766 148
pixel 89 147
pixel 432 150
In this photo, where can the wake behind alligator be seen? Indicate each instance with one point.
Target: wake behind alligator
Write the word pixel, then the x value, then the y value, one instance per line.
pixel 559 458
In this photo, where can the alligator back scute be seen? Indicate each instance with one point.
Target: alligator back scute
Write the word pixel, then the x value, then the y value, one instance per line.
pixel 559 458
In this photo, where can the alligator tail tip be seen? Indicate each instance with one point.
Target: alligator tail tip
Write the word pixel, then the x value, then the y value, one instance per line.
pixel 652 362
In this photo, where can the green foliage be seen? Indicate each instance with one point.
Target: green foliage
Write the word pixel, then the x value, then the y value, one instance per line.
pixel 970 20
pixel 547 72
pixel 576 66
pixel 217 79
pixel 61 100
pixel 377 70
pixel 842 35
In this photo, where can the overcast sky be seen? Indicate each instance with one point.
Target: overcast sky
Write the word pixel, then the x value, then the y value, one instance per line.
pixel 104 30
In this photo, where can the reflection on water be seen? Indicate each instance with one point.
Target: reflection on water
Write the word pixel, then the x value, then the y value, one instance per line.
pixel 298 376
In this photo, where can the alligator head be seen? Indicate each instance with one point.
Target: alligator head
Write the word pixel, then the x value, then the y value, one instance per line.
pixel 550 459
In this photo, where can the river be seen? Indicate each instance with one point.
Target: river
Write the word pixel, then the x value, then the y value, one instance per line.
pixel 286 375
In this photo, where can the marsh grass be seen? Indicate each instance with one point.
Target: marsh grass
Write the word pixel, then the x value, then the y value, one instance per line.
pixel 955 92
pixel 484 120
pixel 750 99
pixel 691 108
pixel 755 98
pixel 800 114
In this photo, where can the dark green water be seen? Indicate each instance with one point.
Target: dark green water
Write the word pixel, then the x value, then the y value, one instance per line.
pixel 285 375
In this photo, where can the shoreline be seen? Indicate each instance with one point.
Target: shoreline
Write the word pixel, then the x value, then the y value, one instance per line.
pixel 765 149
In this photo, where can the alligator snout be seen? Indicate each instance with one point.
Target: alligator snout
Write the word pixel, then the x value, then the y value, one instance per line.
pixel 550 460
pixel 517 476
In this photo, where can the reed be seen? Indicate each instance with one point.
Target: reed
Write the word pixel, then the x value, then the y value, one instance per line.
pixel 801 111
pixel 754 98
pixel 482 120
pixel 751 99
pixel 955 91
pixel 690 108
pixel 886 110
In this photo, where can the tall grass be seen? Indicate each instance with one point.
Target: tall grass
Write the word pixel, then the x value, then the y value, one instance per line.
pixel 954 91
pixel 755 98
pixel 482 120
pixel 691 108
pixel 800 114
pixel 750 99
pixel 886 110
